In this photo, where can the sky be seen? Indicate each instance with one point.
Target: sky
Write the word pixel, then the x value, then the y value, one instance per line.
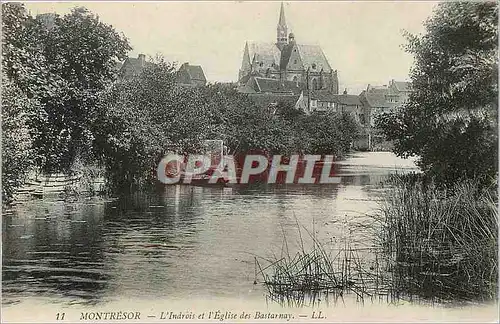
pixel 362 40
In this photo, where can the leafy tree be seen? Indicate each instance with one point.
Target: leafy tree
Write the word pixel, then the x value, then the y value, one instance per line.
pixel 330 133
pixel 18 61
pixel 17 152
pixel 74 57
pixel 450 121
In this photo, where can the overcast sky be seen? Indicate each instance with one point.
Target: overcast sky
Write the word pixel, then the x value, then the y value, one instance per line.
pixel 362 40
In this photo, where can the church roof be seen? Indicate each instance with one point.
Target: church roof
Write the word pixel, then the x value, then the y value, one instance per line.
pixel 313 56
pixel 266 53
pixel 286 52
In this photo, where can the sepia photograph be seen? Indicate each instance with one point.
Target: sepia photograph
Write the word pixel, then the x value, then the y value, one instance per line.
pixel 249 161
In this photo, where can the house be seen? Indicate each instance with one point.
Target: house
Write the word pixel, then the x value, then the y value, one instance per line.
pixel 401 90
pixel 191 75
pixel 380 99
pixel 269 92
pixel 133 66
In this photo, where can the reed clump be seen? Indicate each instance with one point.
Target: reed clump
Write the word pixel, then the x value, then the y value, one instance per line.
pixel 322 272
pixel 442 245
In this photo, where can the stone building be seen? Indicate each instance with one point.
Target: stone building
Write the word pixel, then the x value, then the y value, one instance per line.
pixel 380 99
pixel 287 60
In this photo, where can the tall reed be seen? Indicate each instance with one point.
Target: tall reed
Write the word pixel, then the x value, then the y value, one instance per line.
pixel 442 244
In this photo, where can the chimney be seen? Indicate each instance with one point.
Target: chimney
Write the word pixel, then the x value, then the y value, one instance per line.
pixel 142 59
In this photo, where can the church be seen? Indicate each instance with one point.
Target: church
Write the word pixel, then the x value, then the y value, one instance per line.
pixel 286 65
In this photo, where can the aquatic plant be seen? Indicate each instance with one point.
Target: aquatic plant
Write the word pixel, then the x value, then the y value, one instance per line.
pixel 323 272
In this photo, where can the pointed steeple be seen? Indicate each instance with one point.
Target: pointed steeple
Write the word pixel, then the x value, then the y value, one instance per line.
pixel 282 21
pixel 282 29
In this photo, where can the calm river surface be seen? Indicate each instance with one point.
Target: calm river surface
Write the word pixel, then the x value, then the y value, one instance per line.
pixel 196 244
pixel 185 241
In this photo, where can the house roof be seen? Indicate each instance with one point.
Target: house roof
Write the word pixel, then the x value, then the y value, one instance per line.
pixel 195 72
pixel 402 86
pixel 136 64
pixel 246 88
pixel 344 99
pixel 312 55
pixel 348 100
pixel 376 99
pixel 265 100
pixel 323 95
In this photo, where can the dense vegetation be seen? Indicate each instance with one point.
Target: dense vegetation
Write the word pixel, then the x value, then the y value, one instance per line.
pixel 143 117
pixel 62 106
pixel 450 121
pixel 441 228
pixel 54 70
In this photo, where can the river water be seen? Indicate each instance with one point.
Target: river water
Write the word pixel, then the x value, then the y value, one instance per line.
pixel 183 243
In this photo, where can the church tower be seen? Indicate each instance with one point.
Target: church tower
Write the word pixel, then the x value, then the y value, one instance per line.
pixel 281 30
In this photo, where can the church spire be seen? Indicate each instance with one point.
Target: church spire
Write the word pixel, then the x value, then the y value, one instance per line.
pixel 281 30
pixel 282 21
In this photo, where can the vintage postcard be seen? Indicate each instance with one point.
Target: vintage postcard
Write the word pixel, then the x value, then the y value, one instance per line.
pixel 249 161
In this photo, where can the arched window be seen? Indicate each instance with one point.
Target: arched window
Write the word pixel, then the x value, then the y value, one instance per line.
pixel 315 84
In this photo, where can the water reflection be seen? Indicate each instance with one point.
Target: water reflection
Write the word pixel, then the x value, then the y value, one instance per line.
pixel 180 242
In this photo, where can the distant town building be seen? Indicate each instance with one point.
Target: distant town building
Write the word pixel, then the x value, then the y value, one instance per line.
pixel 132 66
pixel 380 99
pixel 287 61
pixel 401 90
pixel 191 75
pixel 186 75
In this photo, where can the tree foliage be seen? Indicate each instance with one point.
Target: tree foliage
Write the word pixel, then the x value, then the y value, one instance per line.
pixel 64 63
pixel 145 116
pixel 54 70
pixel 450 121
